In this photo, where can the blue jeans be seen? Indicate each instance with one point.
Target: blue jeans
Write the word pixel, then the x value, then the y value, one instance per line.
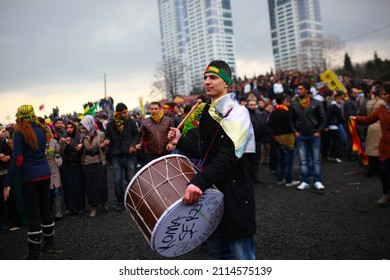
pixel 284 160
pixel 228 248
pixel 124 170
pixel 309 152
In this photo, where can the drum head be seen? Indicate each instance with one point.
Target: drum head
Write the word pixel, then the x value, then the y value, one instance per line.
pixel 182 228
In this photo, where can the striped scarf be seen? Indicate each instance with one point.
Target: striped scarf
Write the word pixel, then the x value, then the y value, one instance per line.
pixel 119 122
pixel 357 148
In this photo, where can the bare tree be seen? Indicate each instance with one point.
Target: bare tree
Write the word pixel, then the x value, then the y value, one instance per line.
pixel 167 77
pixel 333 50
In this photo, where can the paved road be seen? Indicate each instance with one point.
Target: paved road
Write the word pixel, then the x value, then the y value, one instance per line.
pixel 343 222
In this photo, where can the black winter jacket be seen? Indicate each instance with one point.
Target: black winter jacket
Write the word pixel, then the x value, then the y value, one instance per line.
pixel 232 176
pixel 308 122
pixel 334 116
pixel 120 144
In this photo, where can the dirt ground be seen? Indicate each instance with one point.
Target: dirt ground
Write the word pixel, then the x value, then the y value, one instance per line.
pixel 341 223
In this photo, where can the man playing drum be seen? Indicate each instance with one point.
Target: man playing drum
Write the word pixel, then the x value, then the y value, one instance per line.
pixel 226 146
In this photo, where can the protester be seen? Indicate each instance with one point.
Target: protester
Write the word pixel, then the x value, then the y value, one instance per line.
pixel 226 148
pixel 121 137
pixel 54 159
pixel 350 109
pixel 5 207
pixel 72 171
pixel 374 134
pixel 280 124
pixel 94 163
pixel 258 125
pixel 28 158
pixel 153 133
pixel 382 114
pixel 308 119
pixel 335 119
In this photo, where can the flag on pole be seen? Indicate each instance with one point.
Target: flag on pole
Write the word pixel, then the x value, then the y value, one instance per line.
pixel 90 110
pixel 141 105
pixel 331 80
pixel 41 107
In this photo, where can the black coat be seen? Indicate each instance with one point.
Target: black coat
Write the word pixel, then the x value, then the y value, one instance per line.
pixel 334 116
pixel 232 176
pixel 120 144
pixel 308 122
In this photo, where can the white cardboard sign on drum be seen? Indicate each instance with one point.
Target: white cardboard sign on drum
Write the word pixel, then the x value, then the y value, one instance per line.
pixel 182 228
pixel 154 200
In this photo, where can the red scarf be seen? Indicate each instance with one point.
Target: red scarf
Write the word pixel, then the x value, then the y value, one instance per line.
pixel 281 107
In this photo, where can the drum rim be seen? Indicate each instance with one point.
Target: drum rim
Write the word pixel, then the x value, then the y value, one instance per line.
pixel 145 167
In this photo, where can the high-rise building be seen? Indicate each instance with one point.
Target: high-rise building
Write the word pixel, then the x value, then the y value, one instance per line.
pixel 296 31
pixel 194 32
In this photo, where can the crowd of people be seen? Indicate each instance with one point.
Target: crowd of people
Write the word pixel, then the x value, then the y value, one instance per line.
pixel 51 168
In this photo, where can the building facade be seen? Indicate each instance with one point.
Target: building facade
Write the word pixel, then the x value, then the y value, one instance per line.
pixel 296 32
pixel 194 32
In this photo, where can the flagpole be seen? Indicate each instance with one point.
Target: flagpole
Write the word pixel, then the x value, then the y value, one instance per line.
pixel 105 87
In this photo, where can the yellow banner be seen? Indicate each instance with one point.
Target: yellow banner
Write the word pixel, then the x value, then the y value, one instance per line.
pixel 331 80
pixel 141 105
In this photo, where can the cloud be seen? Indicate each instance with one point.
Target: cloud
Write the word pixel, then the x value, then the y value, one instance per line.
pixel 56 52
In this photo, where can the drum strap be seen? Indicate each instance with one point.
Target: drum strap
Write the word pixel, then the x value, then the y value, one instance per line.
pixel 200 164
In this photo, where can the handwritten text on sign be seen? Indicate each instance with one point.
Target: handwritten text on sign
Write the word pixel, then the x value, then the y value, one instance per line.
pixel 186 227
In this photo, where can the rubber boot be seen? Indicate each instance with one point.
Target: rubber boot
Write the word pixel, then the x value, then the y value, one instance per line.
pixel 34 245
pixel 48 240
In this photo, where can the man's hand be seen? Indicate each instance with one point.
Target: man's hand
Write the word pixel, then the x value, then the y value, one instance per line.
pixel 6 192
pixel 174 135
pixel 132 150
pixel 192 195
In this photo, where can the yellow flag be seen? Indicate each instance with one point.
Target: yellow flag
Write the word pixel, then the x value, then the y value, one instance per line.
pixel 331 80
pixel 141 105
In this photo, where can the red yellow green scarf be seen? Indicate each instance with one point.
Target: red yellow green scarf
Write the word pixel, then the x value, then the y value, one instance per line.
pixel 119 122
pixel 305 103
pixel 158 117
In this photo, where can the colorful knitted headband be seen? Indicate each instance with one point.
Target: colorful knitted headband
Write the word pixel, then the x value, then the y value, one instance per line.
pixel 26 112
pixel 219 72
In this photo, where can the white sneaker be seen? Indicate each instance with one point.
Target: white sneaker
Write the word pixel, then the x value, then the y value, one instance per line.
pixel 319 186
pixel 338 160
pixel 303 186
pixel 293 183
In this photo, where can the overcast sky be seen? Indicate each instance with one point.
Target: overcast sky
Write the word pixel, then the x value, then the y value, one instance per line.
pixel 55 52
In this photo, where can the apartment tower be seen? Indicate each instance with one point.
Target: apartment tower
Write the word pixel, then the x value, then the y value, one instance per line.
pixel 296 31
pixel 194 32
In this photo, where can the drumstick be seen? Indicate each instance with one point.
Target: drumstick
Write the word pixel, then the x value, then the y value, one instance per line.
pixel 189 113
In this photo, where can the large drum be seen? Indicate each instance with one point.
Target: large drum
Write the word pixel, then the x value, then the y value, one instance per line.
pixel 154 200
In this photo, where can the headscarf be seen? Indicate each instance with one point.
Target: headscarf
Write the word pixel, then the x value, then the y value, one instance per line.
pixel 89 123
pixel 26 112
pixel 70 122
